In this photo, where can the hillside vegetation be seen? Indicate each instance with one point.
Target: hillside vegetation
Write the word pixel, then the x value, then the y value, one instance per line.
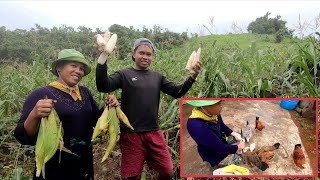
pixel 244 65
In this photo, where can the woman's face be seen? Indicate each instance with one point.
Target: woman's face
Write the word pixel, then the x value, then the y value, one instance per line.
pixel 70 73
pixel 143 57
pixel 214 109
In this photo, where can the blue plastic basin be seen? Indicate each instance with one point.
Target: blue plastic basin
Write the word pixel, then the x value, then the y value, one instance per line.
pixel 289 104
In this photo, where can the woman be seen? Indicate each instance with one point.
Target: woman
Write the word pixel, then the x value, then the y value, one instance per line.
pixel 206 127
pixel 77 111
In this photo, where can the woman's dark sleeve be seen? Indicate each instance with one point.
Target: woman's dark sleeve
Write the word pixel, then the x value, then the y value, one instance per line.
pixel 225 128
pixel 96 112
pixel 206 138
pixel 20 133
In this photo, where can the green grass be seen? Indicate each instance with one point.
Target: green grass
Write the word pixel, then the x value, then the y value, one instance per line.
pixel 242 65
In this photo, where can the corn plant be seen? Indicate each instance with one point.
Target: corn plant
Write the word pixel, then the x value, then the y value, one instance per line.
pixel 238 68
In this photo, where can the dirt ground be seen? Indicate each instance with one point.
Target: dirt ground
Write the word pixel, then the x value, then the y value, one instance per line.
pixel 110 168
pixel 286 127
pixel 306 128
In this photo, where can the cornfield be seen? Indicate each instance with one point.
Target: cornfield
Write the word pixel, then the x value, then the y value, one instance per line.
pixel 228 70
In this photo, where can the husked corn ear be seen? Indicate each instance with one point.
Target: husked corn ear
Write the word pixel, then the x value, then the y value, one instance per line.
pixel 123 118
pixel 194 57
pixel 102 58
pixel 100 44
pixel 106 36
pixel 111 43
pixel 106 45
pixel 198 55
pixel 190 61
pixel 100 40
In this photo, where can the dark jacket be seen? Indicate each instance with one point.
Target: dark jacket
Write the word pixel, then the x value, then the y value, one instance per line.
pixel 209 137
pixel 140 94
pixel 78 119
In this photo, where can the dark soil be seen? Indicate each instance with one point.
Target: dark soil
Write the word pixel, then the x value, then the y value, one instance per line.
pixel 307 134
pixel 110 168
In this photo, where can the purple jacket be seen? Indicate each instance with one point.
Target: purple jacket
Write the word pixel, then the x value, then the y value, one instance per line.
pixel 209 138
pixel 78 120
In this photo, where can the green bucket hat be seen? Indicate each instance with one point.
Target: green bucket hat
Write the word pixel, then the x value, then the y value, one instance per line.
pixel 199 103
pixel 70 55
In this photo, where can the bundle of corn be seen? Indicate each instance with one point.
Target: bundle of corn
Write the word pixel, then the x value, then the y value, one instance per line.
pixel 109 120
pixel 106 44
pixel 50 138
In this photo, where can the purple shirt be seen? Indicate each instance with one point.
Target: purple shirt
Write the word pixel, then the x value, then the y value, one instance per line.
pixel 209 138
pixel 78 120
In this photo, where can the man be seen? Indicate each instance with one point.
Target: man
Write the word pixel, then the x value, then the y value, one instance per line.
pixel 140 97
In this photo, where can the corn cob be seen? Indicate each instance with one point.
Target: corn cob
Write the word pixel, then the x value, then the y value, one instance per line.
pixel 143 175
pixel 96 131
pixel 197 58
pixel 112 142
pixel 60 137
pixel 102 124
pixel 102 58
pixel 106 37
pixel 100 40
pixel 189 65
pixel 194 57
pixel 106 43
pixel 100 47
pixel 111 44
pixel 123 118
pixel 109 120
pixel 104 120
pixel 50 138
pixel 114 131
pixel 39 149
pixel 53 125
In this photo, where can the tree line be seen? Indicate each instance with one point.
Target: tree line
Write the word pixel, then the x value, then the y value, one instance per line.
pixel 43 44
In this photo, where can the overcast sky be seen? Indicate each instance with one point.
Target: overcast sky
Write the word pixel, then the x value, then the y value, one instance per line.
pixel 177 16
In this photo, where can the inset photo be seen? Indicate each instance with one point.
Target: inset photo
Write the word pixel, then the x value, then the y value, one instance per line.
pixel 262 137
